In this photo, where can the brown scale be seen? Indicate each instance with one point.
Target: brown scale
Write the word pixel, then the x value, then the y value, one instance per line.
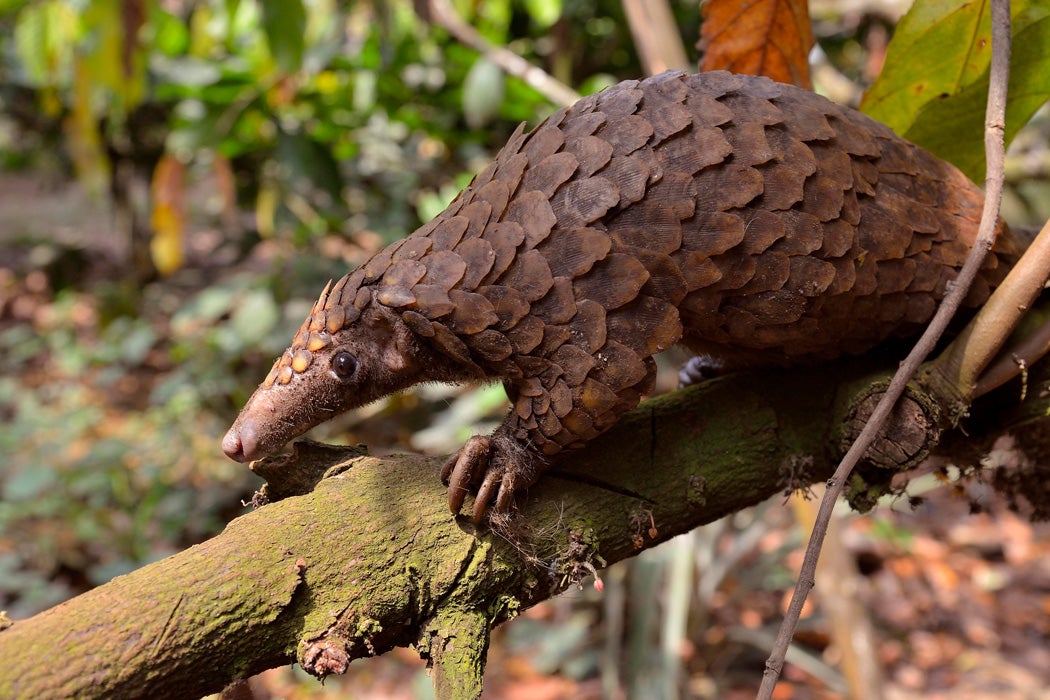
pixel 750 220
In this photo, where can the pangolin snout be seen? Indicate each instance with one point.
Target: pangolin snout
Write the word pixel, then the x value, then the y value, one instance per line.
pixel 241 442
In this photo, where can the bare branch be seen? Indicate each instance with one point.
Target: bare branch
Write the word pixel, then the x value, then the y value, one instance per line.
pixel 995 121
pixel 1017 358
pixel 444 15
pixel 964 361
pixel 656 37
pixel 371 558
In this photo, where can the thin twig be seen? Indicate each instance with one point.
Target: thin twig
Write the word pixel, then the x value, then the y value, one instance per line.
pixel 993 142
pixel 1032 348
pixel 969 355
pixel 444 15
pixel 1013 362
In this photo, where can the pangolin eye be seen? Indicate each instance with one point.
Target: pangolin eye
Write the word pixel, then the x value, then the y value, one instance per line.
pixel 344 364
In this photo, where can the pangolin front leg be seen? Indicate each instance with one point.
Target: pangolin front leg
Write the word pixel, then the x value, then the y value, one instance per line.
pixel 574 405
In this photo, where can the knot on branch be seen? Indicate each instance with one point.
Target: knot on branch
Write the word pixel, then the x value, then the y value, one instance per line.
pixel 906 438
pixel 299 473
pixel 912 430
pixel 323 657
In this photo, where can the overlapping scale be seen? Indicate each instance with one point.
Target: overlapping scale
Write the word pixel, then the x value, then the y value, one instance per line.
pixel 746 216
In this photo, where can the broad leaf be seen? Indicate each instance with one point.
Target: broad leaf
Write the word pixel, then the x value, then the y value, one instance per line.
pixel 284 22
pixel 934 85
pixel 45 35
pixel 115 61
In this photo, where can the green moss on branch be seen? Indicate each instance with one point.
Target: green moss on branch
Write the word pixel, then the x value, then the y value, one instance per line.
pixel 371 558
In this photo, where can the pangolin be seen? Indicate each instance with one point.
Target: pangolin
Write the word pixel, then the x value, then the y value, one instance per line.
pixel 754 222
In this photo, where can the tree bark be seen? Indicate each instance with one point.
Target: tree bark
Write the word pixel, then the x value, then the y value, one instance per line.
pixel 362 555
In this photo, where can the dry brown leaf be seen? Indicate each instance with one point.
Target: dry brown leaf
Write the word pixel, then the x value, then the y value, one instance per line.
pixel 758 37
pixel 226 184
pixel 133 17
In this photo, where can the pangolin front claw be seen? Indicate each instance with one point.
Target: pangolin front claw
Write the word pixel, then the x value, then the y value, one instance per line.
pixel 483 464
pixel 465 469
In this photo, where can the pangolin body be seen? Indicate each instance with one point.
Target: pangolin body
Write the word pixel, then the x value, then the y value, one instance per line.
pixel 750 220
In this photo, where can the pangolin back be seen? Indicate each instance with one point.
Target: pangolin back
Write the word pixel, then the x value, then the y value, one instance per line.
pixel 749 219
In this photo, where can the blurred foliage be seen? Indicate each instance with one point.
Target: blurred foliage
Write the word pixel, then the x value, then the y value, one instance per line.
pixel 334 115
pixel 304 134
pixel 277 142
pixel 110 435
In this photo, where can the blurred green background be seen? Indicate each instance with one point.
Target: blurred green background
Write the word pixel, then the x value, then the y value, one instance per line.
pixel 178 180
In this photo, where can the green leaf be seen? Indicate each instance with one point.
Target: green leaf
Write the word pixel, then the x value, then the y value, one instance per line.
pixel 935 82
pixel 171 36
pixel 544 12
pixel 284 22
pixel 231 8
pixel 45 35
pixel 207 307
pixel 137 344
pixel 253 319
pixel 493 19
pixel 953 128
pixel 12 5
pixel 937 49
pixel 483 91
pixel 25 484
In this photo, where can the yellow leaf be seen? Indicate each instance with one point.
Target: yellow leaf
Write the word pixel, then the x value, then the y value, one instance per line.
pixel 45 36
pixel 166 252
pixel 265 210
pixel 203 40
pixel 116 60
pixel 168 216
pixel 82 137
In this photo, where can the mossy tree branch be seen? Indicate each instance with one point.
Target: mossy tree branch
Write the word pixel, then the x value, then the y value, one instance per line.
pixel 369 558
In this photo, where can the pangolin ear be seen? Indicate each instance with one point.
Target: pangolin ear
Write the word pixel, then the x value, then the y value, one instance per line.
pixel 397 343
pixel 403 347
